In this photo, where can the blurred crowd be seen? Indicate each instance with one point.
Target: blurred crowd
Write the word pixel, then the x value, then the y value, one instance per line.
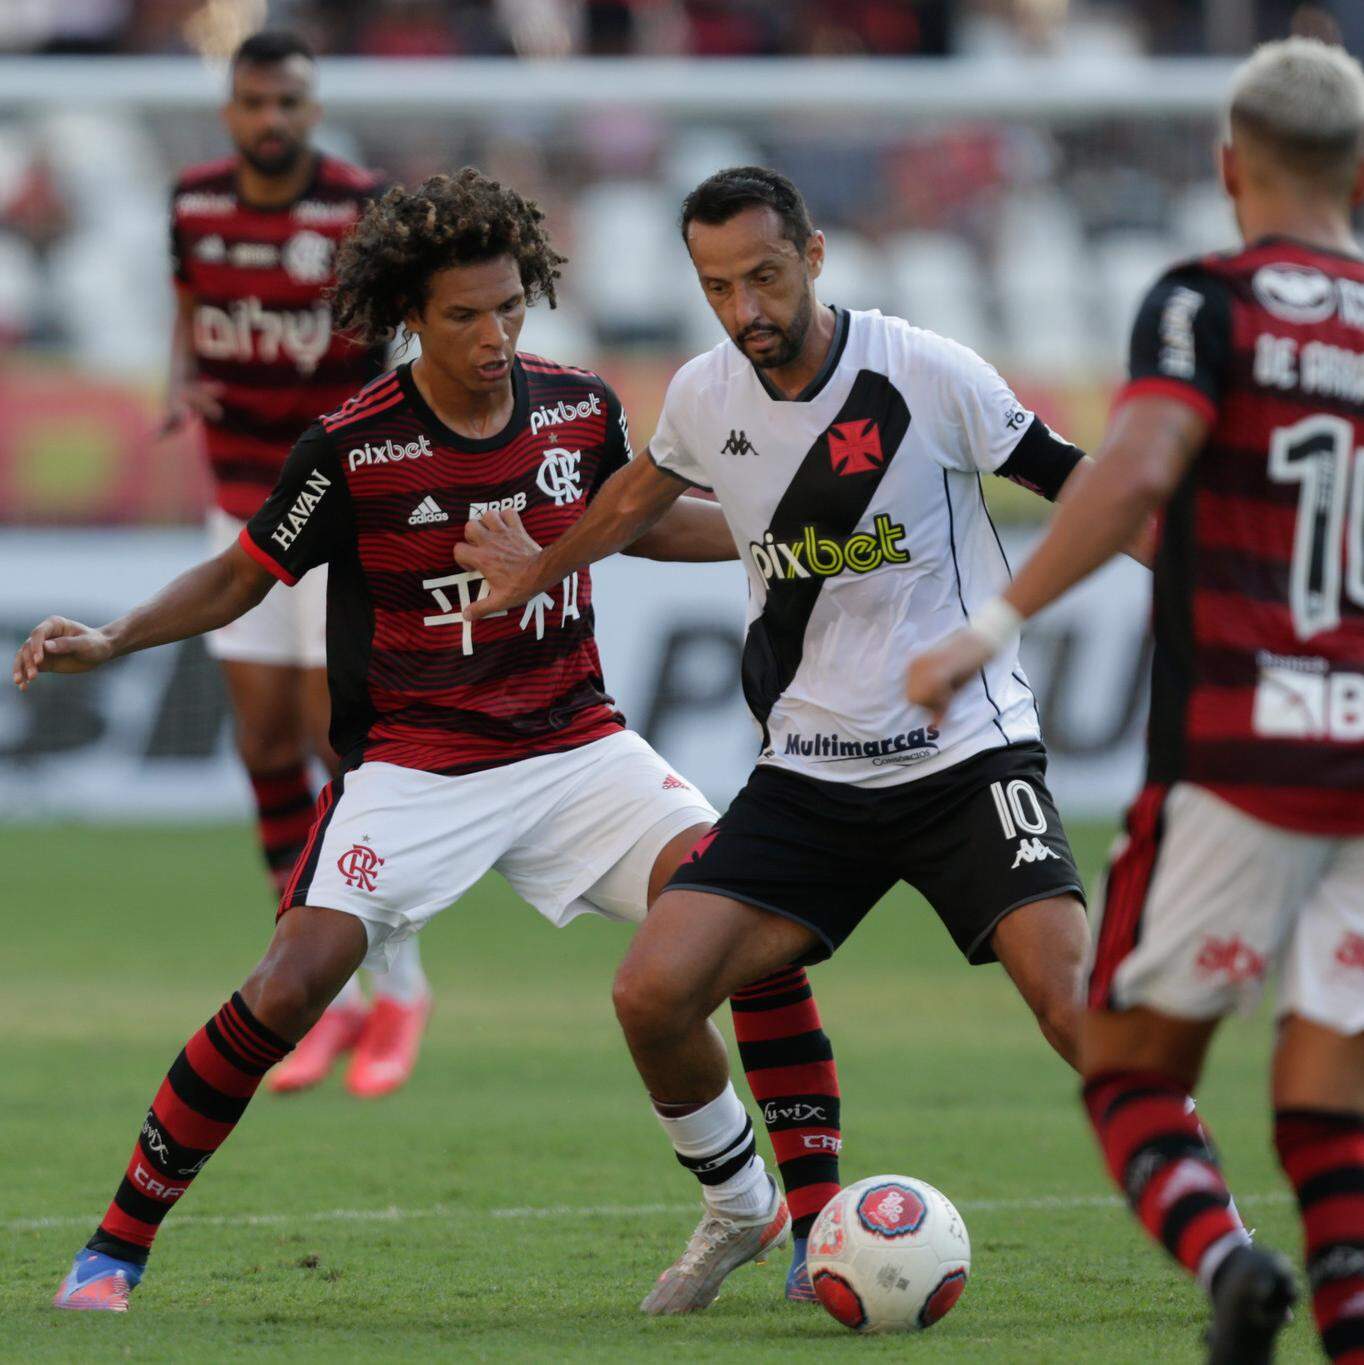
pixel 700 28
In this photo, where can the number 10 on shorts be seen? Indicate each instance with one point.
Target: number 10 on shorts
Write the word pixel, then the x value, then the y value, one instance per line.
pixel 1018 808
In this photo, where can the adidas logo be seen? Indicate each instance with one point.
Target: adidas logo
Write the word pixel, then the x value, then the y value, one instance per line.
pixel 672 783
pixel 426 513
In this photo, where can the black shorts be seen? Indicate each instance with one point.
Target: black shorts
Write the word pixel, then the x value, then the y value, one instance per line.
pixel 978 841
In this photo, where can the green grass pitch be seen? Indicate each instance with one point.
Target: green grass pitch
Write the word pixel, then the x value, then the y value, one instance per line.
pixel 517 1199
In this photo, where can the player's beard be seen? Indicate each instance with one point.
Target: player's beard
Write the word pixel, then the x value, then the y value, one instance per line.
pixel 279 163
pixel 792 337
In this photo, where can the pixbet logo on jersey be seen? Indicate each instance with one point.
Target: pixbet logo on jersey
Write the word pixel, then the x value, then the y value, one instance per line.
pixel 564 411
pixel 816 556
pixel 388 453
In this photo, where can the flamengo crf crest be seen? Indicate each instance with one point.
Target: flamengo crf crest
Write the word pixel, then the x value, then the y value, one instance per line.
pixel 738 444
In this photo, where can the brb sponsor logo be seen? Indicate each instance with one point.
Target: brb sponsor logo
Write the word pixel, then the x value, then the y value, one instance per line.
pixel 811 555
pixel 296 518
pixel 389 453
pixel 360 865
pixel 564 411
pixel 1299 698
pixel 891 1210
pixel 248 331
pixel 515 503
pixel 907 747
pixel 1231 958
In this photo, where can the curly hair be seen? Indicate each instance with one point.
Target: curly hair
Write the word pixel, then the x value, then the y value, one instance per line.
pixel 384 267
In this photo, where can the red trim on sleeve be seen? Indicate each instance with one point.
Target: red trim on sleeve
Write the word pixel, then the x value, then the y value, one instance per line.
pixel 1158 386
pixel 263 559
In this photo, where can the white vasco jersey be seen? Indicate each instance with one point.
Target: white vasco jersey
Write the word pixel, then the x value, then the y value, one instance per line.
pixel 861 521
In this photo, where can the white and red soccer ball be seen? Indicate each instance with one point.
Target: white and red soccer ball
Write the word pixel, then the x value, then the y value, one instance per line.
pixel 889 1254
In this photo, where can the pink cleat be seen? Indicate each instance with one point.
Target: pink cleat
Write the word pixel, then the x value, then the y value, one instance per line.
pixel 387 1050
pixel 98 1284
pixel 336 1032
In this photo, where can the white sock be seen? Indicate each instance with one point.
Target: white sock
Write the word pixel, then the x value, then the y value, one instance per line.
pixel 404 981
pixel 718 1139
pixel 350 997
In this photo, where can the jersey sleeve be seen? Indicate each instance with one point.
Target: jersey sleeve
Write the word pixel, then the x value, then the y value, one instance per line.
pixel 669 448
pixel 303 521
pixel 976 422
pixel 1042 461
pixel 1181 341
pixel 617 452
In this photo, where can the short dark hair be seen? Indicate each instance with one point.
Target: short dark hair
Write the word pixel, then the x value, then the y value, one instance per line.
pixel 270 46
pixel 719 197
pixel 384 268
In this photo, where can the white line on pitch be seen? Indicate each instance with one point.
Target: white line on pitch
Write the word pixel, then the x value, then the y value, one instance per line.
pixel 393 1214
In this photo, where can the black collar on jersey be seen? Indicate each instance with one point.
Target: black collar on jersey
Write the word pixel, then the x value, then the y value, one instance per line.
pixel 282 208
pixel 816 385
pixel 1283 239
pixel 520 413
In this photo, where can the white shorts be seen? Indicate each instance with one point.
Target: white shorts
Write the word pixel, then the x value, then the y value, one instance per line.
pixel 572 832
pixel 289 625
pixel 1204 902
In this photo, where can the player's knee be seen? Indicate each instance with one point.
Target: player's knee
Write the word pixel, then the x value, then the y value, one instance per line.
pixel 269 748
pixel 285 997
pixel 1058 1016
pixel 648 1005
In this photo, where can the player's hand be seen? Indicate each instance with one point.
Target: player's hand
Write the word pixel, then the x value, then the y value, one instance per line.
pixel 194 398
pixel 60 646
pixel 938 674
pixel 499 547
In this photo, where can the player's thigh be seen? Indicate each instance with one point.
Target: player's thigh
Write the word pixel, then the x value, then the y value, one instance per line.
pixel 394 846
pixel 1043 946
pixel 1197 907
pixel 789 849
pixel 697 948
pixel 991 852
pixel 593 824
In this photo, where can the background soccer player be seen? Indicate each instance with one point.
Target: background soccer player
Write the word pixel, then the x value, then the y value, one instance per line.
pixel 467 748
pixel 1244 419
pixel 846 450
pixel 254 356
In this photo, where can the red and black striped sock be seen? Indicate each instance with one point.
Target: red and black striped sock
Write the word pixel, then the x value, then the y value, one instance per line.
pixel 1158 1153
pixel 204 1094
pixel 789 1063
pixel 1323 1155
pixel 284 815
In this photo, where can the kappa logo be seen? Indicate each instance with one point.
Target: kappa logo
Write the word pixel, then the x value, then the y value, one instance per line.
pixel 738 444
pixel 297 516
pixel 560 475
pixel 1033 851
pixel 360 865
pixel 564 411
pixel 891 1210
pixel 855 447
pixel 1232 958
pixel 388 453
pixel 516 502
pixel 426 513
pixel 1296 293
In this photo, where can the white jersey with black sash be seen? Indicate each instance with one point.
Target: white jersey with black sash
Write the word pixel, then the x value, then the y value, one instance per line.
pixel 862 524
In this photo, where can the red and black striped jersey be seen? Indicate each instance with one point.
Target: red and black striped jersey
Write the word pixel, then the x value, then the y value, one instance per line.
pixel 1258 678
pixel 380 491
pixel 262 325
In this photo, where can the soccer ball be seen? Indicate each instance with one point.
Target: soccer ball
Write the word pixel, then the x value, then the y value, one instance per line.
pixel 889 1254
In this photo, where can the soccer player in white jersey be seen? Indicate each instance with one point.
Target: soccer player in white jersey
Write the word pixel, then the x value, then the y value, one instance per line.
pixel 846 450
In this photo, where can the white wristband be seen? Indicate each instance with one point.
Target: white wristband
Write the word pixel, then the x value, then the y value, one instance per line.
pixel 997 623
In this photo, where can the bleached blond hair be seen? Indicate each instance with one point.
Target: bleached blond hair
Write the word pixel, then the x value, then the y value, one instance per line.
pixel 1303 101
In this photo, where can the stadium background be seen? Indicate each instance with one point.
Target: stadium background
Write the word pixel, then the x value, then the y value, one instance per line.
pixel 1013 173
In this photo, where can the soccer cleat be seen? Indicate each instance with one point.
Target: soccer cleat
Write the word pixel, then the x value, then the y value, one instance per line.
pixel 388 1046
pixel 1252 1298
pixel 98 1283
pixel 308 1064
pixel 798 1286
pixel 718 1246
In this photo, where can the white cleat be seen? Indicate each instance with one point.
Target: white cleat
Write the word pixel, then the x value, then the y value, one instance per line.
pixel 718 1246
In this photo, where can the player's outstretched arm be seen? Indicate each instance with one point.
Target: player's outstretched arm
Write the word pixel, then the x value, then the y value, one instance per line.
pixel 630 502
pixel 203 598
pixel 1149 446
pixel 692 531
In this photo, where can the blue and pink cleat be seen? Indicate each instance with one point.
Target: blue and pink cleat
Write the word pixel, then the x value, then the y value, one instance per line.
pixel 98 1283
pixel 798 1286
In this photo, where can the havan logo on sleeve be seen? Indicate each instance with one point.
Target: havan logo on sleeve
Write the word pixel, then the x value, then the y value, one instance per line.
pixel 297 516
